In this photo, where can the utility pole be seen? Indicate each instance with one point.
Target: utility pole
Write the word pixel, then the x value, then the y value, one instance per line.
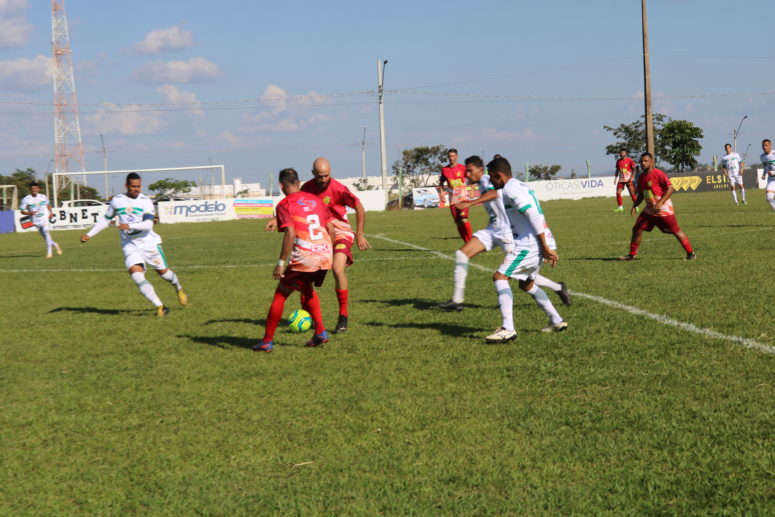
pixel 382 151
pixel 736 133
pixel 647 81
pixel 363 153
pixel 105 165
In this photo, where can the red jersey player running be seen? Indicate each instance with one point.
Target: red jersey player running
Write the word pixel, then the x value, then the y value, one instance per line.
pixel 454 175
pixel 625 171
pixel 654 186
pixel 337 198
pixel 308 229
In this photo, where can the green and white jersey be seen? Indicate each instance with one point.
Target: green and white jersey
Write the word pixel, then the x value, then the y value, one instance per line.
pixel 138 214
pixel 39 206
pixel 768 162
pixel 525 215
pixel 497 220
pixel 731 162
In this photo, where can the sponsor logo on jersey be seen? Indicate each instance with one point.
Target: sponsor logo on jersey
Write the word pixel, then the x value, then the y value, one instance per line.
pixel 327 200
pixel 307 202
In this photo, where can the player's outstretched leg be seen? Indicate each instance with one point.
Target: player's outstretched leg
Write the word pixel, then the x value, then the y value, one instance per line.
pixel 46 234
pixel 462 257
pixel 556 323
pixel 147 290
pixel 311 303
pixel 170 276
pixel 742 194
pixel 273 319
pixel 506 331
pixel 558 287
pixel 342 291
pixel 771 199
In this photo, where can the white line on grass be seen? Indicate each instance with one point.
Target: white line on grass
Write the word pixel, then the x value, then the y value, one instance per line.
pixel 748 343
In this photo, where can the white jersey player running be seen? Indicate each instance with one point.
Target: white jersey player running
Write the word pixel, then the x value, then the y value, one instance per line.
pixel 37 206
pixel 533 244
pixel 732 166
pixel 141 245
pixel 496 234
pixel 768 162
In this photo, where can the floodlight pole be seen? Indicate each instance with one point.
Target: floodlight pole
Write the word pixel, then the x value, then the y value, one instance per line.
pixel 736 133
pixel 382 151
pixel 363 153
pixel 647 82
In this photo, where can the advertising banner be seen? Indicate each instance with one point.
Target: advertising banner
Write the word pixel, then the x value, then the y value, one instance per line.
pixel 428 197
pixel 196 211
pixel 708 181
pixel 64 218
pixel 253 208
pixel 7 221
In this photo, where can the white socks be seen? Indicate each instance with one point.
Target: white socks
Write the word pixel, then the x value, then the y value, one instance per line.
pixel 461 272
pixel 46 233
pixel 506 303
pixel 771 199
pixel 545 304
pixel 742 193
pixel 172 278
pixel 146 289
pixel 542 281
pixel 734 195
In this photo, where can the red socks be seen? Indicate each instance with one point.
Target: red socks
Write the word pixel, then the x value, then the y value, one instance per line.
pixel 311 303
pixel 274 316
pixel 686 245
pixel 342 295
pixel 619 198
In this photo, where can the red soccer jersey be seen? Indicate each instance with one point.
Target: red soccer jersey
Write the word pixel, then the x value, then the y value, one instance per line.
pixel 653 185
pixel 308 216
pixel 336 197
pixel 455 178
pixel 625 167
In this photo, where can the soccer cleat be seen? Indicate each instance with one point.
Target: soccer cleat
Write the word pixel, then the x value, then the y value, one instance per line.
pixel 162 311
pixel 560 327
pixel 745 202
pixel 450 306
pixel 501 335
pixel 564 294
pixel 182 298
pixel 263 347
pixel 341 325
pixel 49 255
pixel 59 250
pixel 691 256
pixel 620 209
pixel 318 339
pixel 627 258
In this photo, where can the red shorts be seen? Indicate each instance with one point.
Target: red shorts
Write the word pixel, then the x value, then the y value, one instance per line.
pixel 458 214
pixel 344 245
pixel 297 280
pixel 623 184
pixel 666 224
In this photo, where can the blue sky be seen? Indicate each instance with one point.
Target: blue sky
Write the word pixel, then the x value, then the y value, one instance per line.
pixel 259 86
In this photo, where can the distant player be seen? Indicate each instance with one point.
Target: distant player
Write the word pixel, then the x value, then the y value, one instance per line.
pixel 306 224
pixel 454 177
pixel 140 244
pixel 37 206
pixel 654 186
pixel 625 173
pixel 496 234
pixel 533 244
pixel 337 197
pixel 768 162
pixel 732 166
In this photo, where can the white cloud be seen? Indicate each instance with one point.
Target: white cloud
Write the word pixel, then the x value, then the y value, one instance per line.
pixel 174 96
pixel 278 101
pixel 165 40
pixel 195 69
pixel 125 119
pixel 10 7
pixel 288 124
pixel 14 29
pixel 25 74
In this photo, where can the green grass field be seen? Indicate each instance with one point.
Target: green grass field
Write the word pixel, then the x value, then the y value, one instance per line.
pixel 109 410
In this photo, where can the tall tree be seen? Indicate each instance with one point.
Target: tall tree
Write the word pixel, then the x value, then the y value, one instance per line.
pixel 544 172
pixel 632 137
pixel 681 144
pixel 421 164
pixel 168 188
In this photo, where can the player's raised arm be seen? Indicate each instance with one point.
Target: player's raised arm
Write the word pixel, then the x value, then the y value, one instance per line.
pixel 487 196
pixel 102 223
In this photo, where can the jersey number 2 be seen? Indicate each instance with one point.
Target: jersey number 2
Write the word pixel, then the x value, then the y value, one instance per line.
pixel 314 225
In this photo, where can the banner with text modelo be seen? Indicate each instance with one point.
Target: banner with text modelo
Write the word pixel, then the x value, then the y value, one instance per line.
pixel 64 218
pixel 196 211
pixel 708 181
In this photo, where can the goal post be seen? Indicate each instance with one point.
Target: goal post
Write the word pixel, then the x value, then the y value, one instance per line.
pixel 14 197
pixel 223 190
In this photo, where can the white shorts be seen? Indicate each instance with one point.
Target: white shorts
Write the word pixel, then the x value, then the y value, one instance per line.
pixel 770 184
pixel 522 263
pixel 489 239
pixel 153 256
pixel 735 178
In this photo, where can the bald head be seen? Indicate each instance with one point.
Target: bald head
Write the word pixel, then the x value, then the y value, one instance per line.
pixel 321 172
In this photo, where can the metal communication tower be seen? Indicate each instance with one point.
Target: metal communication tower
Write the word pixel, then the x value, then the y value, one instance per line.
pixel 68 146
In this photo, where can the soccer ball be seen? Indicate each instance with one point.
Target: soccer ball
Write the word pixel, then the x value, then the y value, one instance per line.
pixel 299 321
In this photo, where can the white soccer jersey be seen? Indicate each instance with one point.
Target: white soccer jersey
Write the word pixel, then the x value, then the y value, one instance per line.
pixel 133 211
pixel 731 162
pixel 496 214
pixel 518 198
pixel 39 205
pixel 768 162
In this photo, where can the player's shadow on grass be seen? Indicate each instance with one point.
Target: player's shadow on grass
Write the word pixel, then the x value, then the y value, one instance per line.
pixel 223 341
pixel 446 329
pixel 95 310
pixel 595 259
pixel 18 256
pixel 420 304
pixel 237 320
